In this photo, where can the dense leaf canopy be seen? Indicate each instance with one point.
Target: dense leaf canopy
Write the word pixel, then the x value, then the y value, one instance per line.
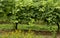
pixel 30 11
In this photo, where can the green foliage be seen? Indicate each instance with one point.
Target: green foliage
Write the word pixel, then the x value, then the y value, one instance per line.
pixel 51 28
pixel 6 26
pixel 30 11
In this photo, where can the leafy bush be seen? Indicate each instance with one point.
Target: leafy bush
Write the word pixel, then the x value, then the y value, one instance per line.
pixel 30 11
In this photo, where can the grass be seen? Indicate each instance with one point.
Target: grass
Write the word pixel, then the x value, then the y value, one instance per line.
pixel 37 27
pixel 22 34
pixel 29 27
pixel 6 26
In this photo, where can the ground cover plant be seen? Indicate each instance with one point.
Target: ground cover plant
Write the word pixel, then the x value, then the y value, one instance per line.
pixel 22 34
pixel 30 14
